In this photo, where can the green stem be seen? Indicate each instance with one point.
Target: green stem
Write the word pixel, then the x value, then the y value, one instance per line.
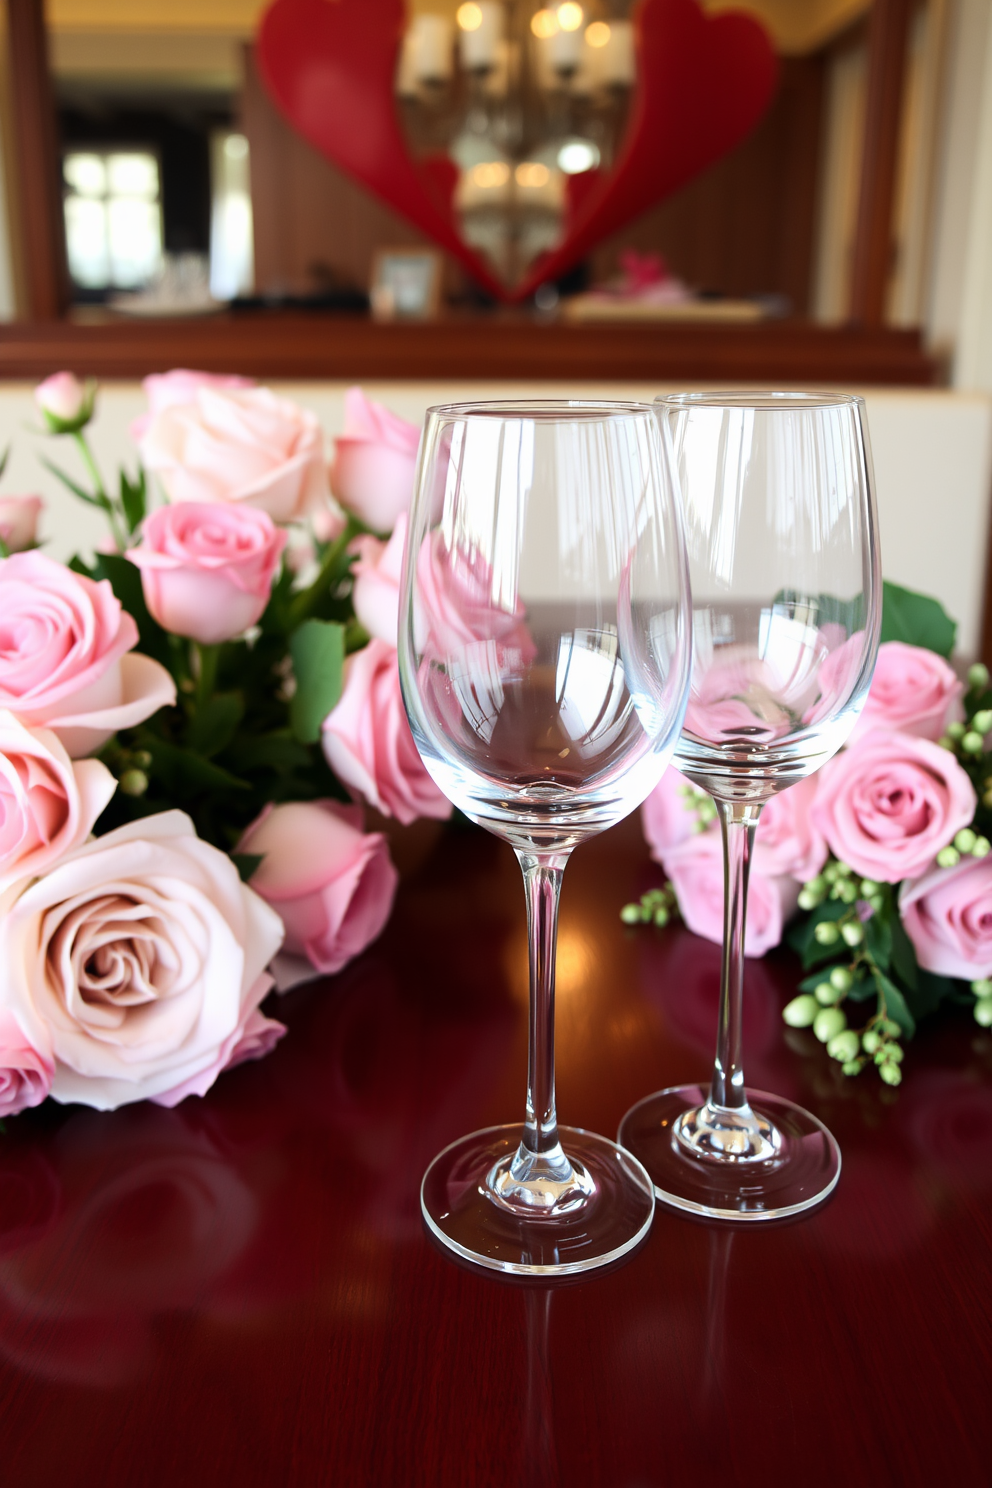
pixel 304 603
pixel 207 674
pixel 116 530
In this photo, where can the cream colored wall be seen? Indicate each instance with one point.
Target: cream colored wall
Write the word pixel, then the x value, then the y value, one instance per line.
pixel 933 462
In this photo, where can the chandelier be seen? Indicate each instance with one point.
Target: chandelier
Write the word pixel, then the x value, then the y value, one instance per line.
pixel 514 111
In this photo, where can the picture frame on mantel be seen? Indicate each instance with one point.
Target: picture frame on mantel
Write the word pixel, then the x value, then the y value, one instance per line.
pixel 406 283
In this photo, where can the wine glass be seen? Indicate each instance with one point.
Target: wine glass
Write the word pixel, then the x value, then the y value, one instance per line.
pixel 778 495
pixel 545 652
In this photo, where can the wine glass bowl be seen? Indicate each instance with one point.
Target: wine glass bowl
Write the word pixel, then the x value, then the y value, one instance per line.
pixel 783 554
pixel 545 654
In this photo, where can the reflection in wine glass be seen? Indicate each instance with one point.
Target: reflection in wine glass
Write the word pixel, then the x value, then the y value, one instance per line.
pixel 781 531
pixel 544 656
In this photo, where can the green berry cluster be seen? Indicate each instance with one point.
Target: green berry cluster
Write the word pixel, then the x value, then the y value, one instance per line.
pixel 983 1002
pixel 819 1010
pixel 656 907
pixel 131 767
pixel 839 881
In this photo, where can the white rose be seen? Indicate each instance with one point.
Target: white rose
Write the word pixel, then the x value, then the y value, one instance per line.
pixel 144 955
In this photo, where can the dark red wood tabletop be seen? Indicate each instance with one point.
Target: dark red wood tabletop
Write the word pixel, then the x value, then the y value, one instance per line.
pixel 240 1291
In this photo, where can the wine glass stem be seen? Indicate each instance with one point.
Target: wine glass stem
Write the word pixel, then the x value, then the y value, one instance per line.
pixel 738 820
pixel 542 882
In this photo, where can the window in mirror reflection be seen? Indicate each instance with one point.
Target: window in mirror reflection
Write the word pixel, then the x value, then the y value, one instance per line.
pixel 113 217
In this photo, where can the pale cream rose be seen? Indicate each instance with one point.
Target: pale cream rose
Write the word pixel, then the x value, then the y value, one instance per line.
pixel 144 955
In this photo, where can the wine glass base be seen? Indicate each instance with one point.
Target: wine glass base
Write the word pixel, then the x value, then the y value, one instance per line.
pixel 802 1172
pixel 611 1219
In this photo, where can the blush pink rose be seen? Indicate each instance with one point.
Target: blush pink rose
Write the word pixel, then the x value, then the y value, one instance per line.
pixel 368 742
pixel 48 802
pixel 207 569
pixel 144 955
pixel 331 883
pixel 240 445
pixel 947 914
pixel 787 839
pixel 890 802
pixel 695 869
pixel 64 655
pixel 737 695
pixel 913 691
pixel 19 521
pixel 374 462
pixel 253 1038
pixel 667 815
pixel 376 594
pixel 26 1066
pixel 172 389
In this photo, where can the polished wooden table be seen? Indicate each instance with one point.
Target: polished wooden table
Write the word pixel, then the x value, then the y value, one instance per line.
pixel 240 1292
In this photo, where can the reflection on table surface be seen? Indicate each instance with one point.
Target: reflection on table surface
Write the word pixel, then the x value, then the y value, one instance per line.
pixel 242 1285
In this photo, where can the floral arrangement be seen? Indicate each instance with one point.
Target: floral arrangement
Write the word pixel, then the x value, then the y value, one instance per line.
pixel 190 722
pixel 881 860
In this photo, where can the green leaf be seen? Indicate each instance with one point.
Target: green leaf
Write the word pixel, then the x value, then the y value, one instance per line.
pixel 277 751
pixel 317 649
pixel 878 939
pixel 74 487
pixel 215 723
pixel 3 460
pixel 903 956
pixel 134 499
pixel 246 863
pixel 802 935
pixel 895 1004
pixel 125 580
pixel 183 772
pixel 916 620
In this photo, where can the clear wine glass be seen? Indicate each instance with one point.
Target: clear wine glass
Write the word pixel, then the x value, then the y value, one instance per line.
pixel 545 654
pixel 778 495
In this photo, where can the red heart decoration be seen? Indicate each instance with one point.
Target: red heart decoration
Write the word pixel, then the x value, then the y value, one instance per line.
pixel 703 84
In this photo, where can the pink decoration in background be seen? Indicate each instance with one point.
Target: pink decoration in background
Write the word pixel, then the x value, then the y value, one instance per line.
pixel 368 742
pixel 207 569
pixel 787 839
pixel 890 802
pixel 374 462
pixel 331 883
pixel 667 816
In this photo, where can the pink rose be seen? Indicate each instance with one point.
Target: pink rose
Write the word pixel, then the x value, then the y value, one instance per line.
pixel 172 389
pixel 376 595
pixel 48 803
pixel 19 521
pixel 667 815
pixel 144 955
pixel 947 914
pixel 64 662
pixel 252 1038
pixel 332 884
pixel 368 742
pixel 787 839
pixel 913 690
pixel 738 693
pixel 66 403
pixel 890 802
pixel 695 868
pixel 245 446
pixel 207 569
pixel 26 1066
pixel 374 462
